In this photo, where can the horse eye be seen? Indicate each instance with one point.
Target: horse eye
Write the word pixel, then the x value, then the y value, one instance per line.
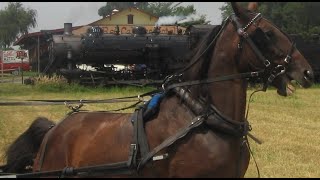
pixel 269 34
pixel 281 54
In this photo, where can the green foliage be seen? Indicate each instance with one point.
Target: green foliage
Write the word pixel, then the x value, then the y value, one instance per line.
pixel 57 84
pixel 161 9
pixel 110 6
pixel 105 10
pixel 292 17
pixel 15 20
pixel 6 48
pixel 51 84
pixel 226 10
pixel 156 8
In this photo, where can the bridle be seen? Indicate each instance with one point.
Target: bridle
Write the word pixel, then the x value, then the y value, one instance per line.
pixel 271 69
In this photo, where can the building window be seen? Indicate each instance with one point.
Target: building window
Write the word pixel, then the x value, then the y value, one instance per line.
pixel 130 19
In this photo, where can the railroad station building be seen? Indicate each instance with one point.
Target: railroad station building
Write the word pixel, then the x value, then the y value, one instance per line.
pixel 37 42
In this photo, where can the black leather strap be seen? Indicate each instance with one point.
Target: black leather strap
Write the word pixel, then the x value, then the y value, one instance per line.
pixel 197 121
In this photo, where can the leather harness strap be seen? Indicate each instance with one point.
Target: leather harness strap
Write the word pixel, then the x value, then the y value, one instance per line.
pixel 42 153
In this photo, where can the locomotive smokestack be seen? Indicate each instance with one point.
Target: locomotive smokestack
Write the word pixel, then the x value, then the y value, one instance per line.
pixel 67 28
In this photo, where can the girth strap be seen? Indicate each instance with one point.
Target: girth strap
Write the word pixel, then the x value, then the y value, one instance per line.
pixel 142 138
pixel 197 121
pixel 139 141
pixel 42 153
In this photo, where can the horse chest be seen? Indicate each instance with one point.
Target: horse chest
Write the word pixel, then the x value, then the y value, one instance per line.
pixel 204 155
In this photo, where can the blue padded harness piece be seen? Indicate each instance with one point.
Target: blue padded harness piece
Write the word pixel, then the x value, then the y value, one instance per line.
pixel 153 106
pixel 155 101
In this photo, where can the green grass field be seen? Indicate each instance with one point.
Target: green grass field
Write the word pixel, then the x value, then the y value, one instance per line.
pixel 288 126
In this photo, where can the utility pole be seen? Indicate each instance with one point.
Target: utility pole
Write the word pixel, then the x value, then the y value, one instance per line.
pixel 2 60
pixel 21 55
pixel 38 55
pixel 21 70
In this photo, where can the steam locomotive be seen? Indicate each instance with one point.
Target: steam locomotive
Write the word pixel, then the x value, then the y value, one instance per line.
pixel 145 57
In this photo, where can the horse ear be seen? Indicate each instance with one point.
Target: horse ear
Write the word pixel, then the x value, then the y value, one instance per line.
pixel 239 11
pixel 253 6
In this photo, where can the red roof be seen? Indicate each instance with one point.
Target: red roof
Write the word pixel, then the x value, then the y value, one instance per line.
pixel 36 34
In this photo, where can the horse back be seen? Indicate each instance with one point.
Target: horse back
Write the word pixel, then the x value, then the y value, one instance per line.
pixel 84 139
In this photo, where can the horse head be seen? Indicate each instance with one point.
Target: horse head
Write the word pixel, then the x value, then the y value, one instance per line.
pixel 265 47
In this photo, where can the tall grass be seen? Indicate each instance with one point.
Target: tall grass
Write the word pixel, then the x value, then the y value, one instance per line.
pixel 288 126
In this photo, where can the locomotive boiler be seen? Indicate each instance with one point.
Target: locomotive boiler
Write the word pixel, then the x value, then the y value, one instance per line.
pixel 143 55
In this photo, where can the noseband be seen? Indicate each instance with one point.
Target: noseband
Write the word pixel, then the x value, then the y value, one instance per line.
pixel 271 69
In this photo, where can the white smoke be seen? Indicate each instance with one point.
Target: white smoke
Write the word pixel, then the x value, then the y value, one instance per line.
pixel 171 20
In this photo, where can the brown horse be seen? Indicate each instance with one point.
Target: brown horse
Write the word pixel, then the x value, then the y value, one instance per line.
pixel 200 129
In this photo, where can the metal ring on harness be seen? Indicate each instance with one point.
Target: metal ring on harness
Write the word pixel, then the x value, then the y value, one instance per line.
pixel 67 171
pixel 74 108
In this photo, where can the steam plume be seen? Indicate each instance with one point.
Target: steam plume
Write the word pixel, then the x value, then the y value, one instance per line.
pixel 171 20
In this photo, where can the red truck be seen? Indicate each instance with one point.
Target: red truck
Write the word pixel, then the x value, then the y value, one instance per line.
pixel 13 60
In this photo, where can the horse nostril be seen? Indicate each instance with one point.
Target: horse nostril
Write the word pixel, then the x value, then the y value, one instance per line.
pixel 308 75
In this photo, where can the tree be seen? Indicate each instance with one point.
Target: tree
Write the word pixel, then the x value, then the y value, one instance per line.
pixel 105 10
pixel 15 20
pixel 158 9
pixel 292 17
pixel 170 9
pixel 110 6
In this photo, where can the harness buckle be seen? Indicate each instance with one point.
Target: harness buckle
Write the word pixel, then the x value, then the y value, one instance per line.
pixel 239 46
pixel 271 78
pixel 74 108
pixel 267 63
pixel 133 146
pixel 242 32
pixel 254 74
pixel 170 80
pixel 287 59
pixel 278 70
pixel 282 71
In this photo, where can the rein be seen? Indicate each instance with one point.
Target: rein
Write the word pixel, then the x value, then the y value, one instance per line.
pixel 80 103
pixel 168 86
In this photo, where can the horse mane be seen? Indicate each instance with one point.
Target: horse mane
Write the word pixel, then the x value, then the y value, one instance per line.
pixel 202 49
pixel 23 150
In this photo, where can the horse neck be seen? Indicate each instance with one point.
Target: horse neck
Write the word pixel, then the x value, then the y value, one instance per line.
pixel 227 96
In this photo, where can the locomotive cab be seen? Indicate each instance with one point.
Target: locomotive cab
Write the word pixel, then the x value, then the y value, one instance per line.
pixel 94 31
pixel 139 30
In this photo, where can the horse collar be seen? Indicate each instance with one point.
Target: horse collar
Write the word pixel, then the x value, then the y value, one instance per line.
pixel 213 117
